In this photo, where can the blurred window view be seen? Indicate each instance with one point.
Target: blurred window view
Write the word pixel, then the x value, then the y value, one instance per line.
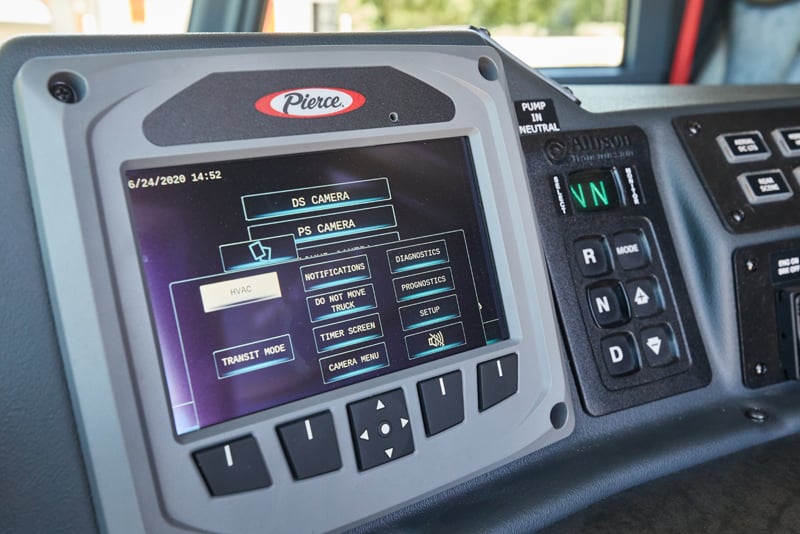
pixel 544 33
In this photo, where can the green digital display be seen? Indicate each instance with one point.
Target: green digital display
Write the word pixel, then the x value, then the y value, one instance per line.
pixel 593 190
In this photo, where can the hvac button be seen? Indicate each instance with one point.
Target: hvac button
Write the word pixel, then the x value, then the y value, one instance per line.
pixel 658 345
pixel 619 355
pixel 310 446
pixel 630 248
pixel 645 297
pixel 608 305
pixel 743 146
pixel 592 256
pixel 233 467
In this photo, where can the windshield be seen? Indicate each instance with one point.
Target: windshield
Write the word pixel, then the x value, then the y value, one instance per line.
pixel 543 33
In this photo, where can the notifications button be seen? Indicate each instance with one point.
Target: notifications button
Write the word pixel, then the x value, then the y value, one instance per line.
pixel 347 333
pixel 221 295
pixel 253 356
pixel 354 363
pixel 435 340
pixel 417 256
pixel 429 312
pixel 335 273
pixel 423 284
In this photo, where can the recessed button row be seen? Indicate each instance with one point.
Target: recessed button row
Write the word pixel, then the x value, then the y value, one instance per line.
pixel 741 147
pixel 380 426
pixel 621 352
pixel 630 251
pixel 612 304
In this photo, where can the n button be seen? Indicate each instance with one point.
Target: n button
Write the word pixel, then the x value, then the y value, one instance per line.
pixel 608 304
pixel 592 256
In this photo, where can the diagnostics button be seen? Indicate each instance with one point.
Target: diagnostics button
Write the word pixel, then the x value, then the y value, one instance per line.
pixel 645 297
pixel 233 467
pixel 630 247
pixel 608 305
pixel 310 446
pixel 788 140
pixel 592 256
pixel 619 354
pixel 743 146
pixel 764 186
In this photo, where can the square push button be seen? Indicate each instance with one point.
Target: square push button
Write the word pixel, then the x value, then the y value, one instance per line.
pixel 233 467
pixel 608 305
pixel 645 297
pixel 310 446
pixel 380 428
pixel 788 140
pixel 743 146
pixel 497 381
pixel 592 256
pixel 442 401
pixel 764 186
pixel 619 354
pixel 659 345
pixel 630 247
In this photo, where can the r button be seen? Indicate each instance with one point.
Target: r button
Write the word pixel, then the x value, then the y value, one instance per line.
pixel 592 256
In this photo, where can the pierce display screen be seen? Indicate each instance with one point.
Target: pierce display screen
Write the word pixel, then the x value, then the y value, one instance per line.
pixel 279 278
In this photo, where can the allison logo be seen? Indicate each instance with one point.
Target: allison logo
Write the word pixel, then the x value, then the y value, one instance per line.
pixel 310 102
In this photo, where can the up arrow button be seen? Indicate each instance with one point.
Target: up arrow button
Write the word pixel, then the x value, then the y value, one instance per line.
pixel 645 297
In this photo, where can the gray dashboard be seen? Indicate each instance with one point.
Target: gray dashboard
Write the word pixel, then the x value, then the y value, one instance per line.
pixel 590 413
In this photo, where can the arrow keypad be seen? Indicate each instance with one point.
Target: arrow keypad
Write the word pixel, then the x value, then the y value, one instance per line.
pixel 381 429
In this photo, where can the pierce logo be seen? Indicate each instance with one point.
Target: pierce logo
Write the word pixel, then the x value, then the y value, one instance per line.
pixel 310 102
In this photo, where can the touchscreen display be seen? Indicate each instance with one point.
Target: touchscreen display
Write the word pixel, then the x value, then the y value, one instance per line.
pixel 275 279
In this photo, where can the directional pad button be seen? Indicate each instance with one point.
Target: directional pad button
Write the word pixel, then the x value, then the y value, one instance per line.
pixel 380 428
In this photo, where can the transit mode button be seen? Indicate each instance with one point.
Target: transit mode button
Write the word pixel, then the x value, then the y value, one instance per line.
pixel 253 356
pixel 230 293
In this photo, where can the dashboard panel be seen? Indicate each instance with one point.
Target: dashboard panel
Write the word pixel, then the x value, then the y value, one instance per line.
pixel 402 279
